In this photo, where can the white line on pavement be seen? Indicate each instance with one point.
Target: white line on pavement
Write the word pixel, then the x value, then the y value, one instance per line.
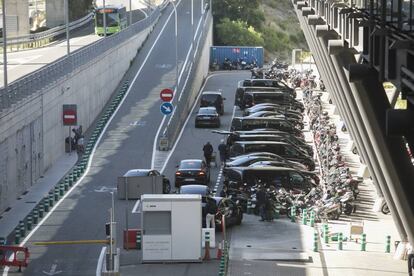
pixel 100 261
pixel 154 146
pixel 6 269
pixel 136 206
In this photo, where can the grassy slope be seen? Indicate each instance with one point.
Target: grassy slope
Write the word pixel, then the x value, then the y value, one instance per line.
pixel 281 19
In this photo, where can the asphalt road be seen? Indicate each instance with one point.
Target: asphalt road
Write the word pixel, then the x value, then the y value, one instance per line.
pixel 190 146
pixel 192 140
pixel 27 61
pixel 127 144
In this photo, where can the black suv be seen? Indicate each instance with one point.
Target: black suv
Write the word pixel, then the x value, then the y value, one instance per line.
pixel 213 98
pixel 280 177
pixel 285 150
pixel 246 123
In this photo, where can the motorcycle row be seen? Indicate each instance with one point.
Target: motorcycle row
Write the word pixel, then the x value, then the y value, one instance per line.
pixel 289 188
pixel 238 64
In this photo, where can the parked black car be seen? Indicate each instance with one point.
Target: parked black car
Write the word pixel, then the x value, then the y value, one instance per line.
pixel 231 210
pixel 257 97
pixel 285 150
pixel 298 123
pixel 303 147
pixel 280 177
pixel 192 171
pixel 245 123
pixel 240 91
pixel 213 98
pixel 266 107
pixel 264 83
pixel 247 160
pixel 207 116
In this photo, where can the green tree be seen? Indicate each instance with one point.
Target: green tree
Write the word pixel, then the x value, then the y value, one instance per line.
pixel 245 10
pixel 238 33
pixel 79 8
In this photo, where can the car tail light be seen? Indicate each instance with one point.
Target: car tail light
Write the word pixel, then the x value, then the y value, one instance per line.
pixel 201 173
pixel 177 173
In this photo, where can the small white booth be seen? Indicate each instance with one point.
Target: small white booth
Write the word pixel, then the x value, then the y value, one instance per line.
pixel 171 227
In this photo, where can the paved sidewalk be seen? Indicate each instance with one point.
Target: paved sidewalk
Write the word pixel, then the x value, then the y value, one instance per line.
pixel 25 203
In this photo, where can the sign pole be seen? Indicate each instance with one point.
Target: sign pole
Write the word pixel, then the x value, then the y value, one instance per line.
pixel 126 213
pixel 3 7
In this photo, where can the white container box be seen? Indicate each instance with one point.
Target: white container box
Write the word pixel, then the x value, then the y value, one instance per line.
pixel 171 228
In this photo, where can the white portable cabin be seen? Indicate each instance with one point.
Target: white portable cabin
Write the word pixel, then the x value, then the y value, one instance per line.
pixel 171 227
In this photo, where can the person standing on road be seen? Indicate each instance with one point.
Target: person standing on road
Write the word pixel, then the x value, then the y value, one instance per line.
pixel 211 210
pixel 261 202
pixel 208 151
pixel 222 148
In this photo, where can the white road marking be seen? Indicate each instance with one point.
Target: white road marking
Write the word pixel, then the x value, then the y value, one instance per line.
pixel 52 270
pixel 154 146
pixel 184 126
pixel 31 233
pixel 136 206
pixel 221 169
pixel 100 261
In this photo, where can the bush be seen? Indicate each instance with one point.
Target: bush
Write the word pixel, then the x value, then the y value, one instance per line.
pixel 238 33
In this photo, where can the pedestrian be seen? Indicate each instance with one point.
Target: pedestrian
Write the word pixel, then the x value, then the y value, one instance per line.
pixel 261 202
pixel 211 210
pixel 208 151
pixel 410 259
pixel 222 148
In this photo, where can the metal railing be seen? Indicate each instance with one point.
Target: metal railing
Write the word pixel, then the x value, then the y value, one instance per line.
pixel 51 33
pixel 62 68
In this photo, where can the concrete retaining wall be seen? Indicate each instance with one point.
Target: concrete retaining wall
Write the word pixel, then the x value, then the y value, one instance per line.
pixel 32 135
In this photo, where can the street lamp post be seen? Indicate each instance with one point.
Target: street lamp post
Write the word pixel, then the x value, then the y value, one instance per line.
pixel 3 8
pixel 130 12
pixel 176 45
pixel 66 4
pixel 192 23
pixel 104 17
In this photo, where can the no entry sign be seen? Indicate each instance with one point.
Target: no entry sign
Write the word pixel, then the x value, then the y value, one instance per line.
pixel 166 95
pixel 70 117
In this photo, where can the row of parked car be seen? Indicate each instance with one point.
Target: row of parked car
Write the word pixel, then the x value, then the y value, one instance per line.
pixel 266 144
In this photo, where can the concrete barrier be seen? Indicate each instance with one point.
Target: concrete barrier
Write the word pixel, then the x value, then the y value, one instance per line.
pixel 31 132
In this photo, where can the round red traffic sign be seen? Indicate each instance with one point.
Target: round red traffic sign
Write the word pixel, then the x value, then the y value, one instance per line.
pixel 166 94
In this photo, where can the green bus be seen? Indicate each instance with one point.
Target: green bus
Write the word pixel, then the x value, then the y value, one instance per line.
pixel 115 19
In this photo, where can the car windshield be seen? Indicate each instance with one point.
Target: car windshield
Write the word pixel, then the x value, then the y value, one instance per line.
pixel 240 161
pixel 195 164
pixel 207 111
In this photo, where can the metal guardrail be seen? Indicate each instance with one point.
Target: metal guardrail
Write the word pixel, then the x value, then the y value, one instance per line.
pixel 49 33
pixel 62 68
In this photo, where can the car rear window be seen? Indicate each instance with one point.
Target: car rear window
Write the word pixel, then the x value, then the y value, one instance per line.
pixel 209 98
pixel 207 111
pixel 190 165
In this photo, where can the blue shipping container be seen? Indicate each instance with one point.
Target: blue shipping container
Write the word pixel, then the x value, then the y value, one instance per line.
pixel 219 53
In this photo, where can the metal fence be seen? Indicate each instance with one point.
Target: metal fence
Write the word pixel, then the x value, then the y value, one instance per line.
pixel 31 38
pixel 61 69
pixel 184 102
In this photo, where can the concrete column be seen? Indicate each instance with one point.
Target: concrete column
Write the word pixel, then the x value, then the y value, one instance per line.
pixel 55 13
pixel 17 16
